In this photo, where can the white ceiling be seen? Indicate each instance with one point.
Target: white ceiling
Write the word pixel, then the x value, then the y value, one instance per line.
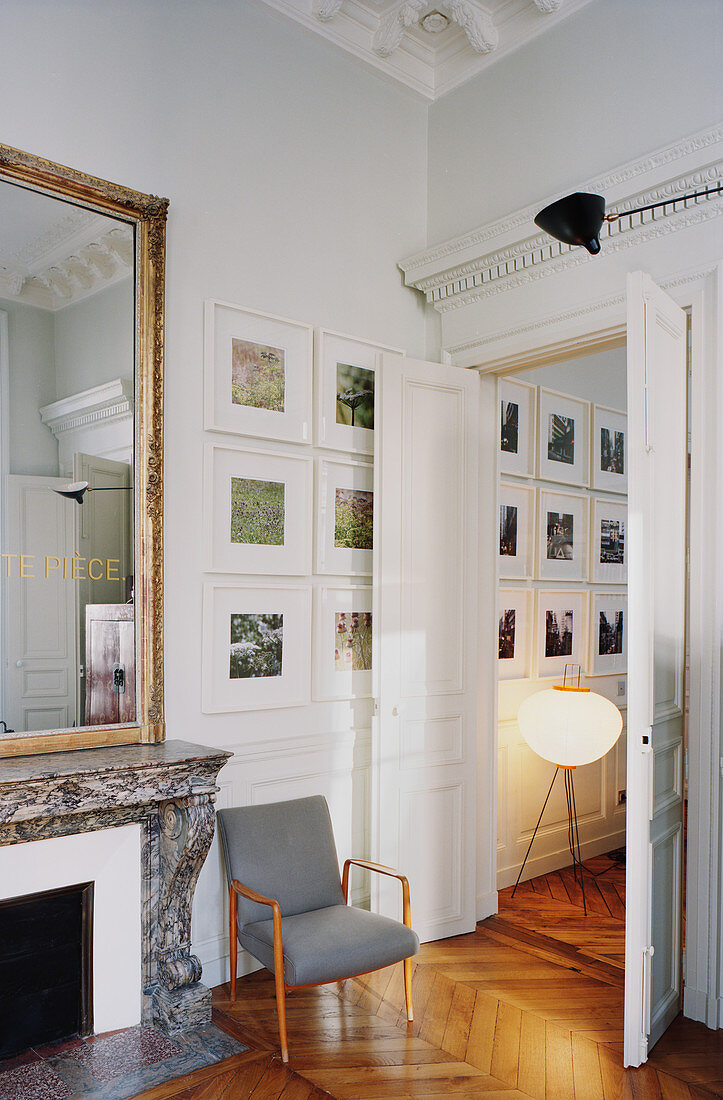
pixel 430 47
pixel 53 253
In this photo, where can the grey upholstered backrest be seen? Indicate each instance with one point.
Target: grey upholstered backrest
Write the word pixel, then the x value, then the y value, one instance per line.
pixel 284 850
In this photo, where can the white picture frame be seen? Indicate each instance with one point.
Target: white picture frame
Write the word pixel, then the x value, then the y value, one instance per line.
pixel 342 485
pixel 562 542
pixel 516 523
pixel 563 452
pixel 259 495
pixel 513 640
pixel 612 639
pixel 560 604
pixel 609 559
pixel 279 352
pixel 222 688
pixel 516 443
pixel 343 651
pixel 609 450
pixel 335 357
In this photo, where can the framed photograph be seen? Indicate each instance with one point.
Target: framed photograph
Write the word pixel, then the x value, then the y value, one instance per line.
pixel 609 542
pixel 562 548
pixel 609 450
pixel 608 634
pixel 345 372
pixel 561 631
pixel 256 647
pixel 257 374
pixel 343 650
pixel 257 511
pixel 514 634
pixel 345 517
pixel 517 427
pixel 516 520
pixel 562 438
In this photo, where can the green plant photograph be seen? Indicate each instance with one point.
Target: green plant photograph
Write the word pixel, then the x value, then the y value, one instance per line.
pixel 354 396
pixel 257 643
pixel 353 519
pixel 257 511
pixel 258 375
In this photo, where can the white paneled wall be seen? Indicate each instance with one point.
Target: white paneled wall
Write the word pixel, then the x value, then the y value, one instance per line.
pixel 333 764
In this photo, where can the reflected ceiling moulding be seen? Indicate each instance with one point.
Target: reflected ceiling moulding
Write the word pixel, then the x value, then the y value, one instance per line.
pixel 429 47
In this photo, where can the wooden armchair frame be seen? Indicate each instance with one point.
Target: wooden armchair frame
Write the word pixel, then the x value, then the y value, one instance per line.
pixel 237 888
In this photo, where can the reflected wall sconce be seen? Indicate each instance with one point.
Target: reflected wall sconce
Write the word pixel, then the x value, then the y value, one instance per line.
pixel 76 490
pixel 569 726
pixel 578 218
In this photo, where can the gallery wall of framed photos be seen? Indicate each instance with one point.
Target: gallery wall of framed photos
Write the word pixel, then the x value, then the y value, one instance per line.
pixel 288 537
pixel 562 598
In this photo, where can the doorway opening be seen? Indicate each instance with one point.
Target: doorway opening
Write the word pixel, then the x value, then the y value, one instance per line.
pixel 562 598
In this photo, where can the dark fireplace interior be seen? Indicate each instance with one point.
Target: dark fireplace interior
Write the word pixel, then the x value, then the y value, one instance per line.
pixel 46 968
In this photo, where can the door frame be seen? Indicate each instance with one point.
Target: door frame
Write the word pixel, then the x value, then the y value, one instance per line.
pixel 702 296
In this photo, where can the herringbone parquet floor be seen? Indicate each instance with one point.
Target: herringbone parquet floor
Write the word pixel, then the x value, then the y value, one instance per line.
pixel 530 1005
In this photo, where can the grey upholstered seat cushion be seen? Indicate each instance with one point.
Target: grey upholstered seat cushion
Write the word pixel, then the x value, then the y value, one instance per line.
pixel 283 850
pixel 331 943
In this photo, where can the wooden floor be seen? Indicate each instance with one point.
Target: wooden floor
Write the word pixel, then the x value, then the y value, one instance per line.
pixel 529 1005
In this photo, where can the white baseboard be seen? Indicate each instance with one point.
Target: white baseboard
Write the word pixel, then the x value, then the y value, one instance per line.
pixel 486 905
pixel 552 861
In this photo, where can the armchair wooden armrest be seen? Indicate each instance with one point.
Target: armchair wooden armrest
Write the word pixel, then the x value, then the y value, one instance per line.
pixel 381 869
pixel 253 895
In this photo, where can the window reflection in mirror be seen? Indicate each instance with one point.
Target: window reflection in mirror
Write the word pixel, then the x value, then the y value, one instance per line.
pixel 67 637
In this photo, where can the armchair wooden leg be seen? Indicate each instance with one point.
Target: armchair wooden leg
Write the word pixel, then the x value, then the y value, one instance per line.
pixel 233 940
pixel 281 1012
pixel 408 988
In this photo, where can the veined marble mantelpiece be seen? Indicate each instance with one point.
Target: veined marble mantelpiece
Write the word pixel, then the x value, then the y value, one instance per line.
pixel 170 789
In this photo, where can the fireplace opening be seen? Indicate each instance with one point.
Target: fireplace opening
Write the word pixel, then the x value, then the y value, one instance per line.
pixel 46 968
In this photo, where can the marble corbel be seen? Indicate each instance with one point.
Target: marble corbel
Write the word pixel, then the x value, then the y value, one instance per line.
pixel 185 832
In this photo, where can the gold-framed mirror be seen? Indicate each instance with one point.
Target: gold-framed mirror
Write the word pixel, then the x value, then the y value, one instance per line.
pixel 82 268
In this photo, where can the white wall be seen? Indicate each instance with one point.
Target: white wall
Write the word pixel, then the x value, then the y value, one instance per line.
pixel 297 179
pixel 610 83
pixel 94 340
pixel 601 377
pixel 33 447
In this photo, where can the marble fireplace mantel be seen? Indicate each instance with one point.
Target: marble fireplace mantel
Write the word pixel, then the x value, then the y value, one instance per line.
pixel 170 790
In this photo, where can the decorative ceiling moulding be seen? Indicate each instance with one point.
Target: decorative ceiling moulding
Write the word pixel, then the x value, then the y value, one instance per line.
pixel 101 404
pixel 497 258
pixel 66 268
pixel 430 47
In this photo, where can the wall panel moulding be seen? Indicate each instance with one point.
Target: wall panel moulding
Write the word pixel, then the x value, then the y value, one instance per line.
pixel 431 47
pixel 512 252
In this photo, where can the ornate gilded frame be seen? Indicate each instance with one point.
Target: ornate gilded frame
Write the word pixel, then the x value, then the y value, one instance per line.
pixel 148 214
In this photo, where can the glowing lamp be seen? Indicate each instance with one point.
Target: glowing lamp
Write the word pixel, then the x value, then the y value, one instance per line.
pixel 569 726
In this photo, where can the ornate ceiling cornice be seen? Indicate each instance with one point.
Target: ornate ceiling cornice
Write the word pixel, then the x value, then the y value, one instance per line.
pixel 431 46
pixel 99 405
pixel 496 257
pixel 68 263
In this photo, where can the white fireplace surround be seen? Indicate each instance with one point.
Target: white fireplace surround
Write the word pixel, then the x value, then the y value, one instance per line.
pixel 111 858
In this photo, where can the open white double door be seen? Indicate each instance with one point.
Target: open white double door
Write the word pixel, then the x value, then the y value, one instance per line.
pixel 433 692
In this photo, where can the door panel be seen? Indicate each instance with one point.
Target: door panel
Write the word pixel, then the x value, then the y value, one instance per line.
pixel 426 627
pixel 657 428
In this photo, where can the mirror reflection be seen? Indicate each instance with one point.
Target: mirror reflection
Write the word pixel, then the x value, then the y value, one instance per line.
pixel 67 337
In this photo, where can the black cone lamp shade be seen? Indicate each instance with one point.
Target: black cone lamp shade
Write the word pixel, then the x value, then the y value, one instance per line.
pixel 576 220
pixel 76 491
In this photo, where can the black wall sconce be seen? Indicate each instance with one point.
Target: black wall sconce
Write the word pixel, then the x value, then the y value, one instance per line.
pixel 577 219
pixel 77 490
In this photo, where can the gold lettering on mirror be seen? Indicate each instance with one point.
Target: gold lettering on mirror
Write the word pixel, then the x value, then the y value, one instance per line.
pixel 92 246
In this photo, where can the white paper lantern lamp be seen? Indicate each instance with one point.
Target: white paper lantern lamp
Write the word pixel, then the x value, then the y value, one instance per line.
pixel 569 726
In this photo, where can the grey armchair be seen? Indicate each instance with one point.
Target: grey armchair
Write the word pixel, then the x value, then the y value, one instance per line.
pixel 282 857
